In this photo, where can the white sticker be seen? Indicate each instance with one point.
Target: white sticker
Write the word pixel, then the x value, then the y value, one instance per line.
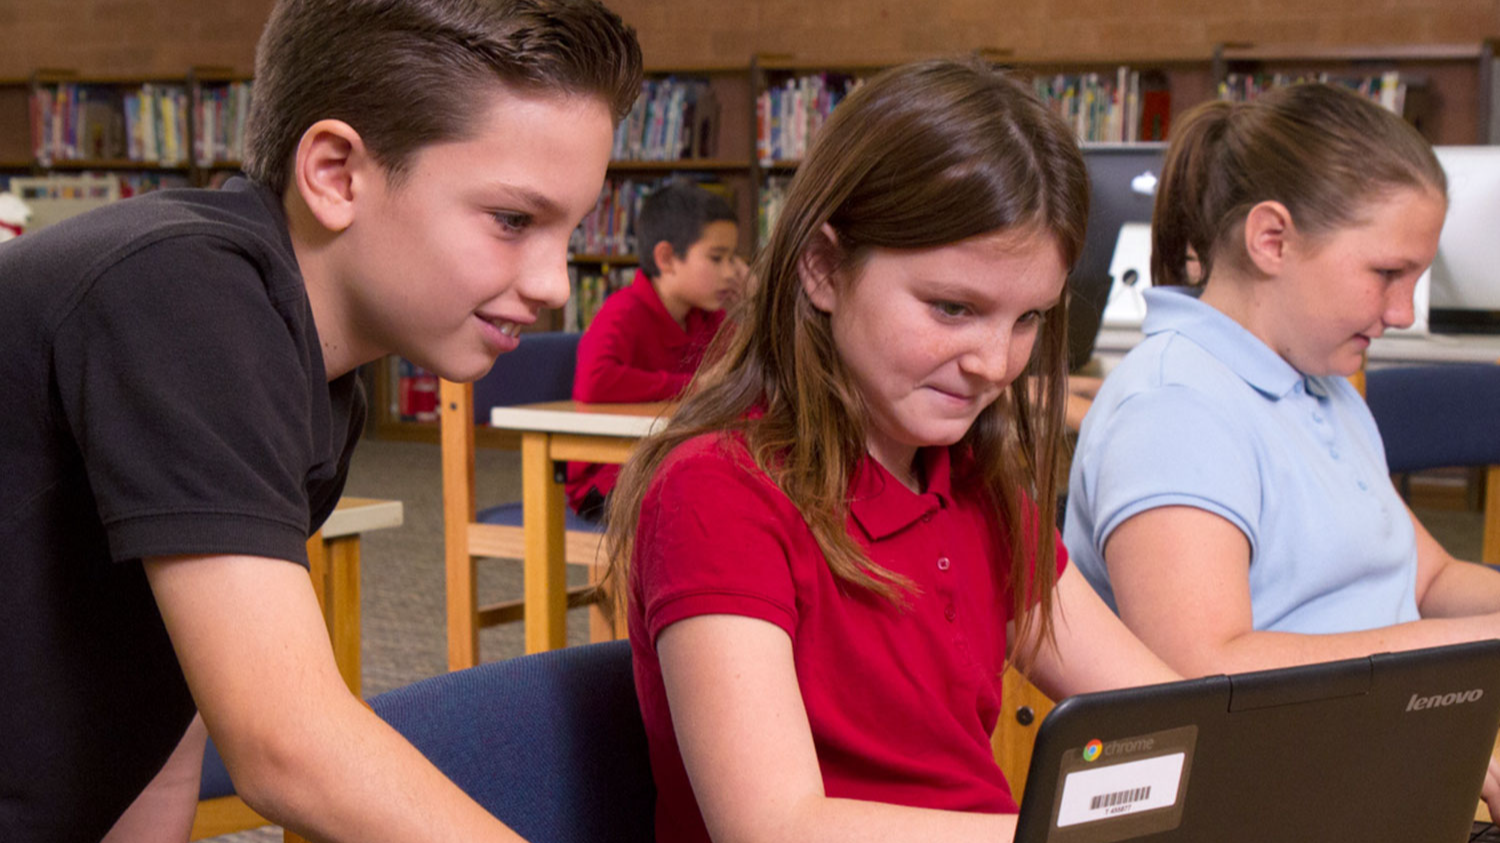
pixel 1120 789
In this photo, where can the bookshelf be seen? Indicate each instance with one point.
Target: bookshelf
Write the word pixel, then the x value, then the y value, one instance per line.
pixel 1451 89
pixel 1454 102
pixel 144 130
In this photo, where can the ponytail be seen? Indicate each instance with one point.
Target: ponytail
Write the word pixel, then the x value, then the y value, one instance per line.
pixel 1321 150
pixel 1184 220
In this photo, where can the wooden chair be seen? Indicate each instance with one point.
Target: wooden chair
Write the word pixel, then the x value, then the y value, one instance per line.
pixel 541 369
pixel 1443 416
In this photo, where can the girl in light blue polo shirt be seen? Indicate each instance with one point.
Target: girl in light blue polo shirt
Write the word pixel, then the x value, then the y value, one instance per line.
pixel 1229 496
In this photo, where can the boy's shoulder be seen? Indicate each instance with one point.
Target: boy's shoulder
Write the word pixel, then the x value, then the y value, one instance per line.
pixel 173 232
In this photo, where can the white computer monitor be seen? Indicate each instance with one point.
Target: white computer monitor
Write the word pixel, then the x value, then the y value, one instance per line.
pixel 1464 293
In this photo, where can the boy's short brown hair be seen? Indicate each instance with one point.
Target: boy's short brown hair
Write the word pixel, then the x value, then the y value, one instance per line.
pixel 408 73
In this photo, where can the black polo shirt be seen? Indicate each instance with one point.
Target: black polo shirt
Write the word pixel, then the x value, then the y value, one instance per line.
pixel 162 391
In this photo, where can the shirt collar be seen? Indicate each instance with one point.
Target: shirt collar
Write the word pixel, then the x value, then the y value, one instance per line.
pixel 882 506
pixel 1178 310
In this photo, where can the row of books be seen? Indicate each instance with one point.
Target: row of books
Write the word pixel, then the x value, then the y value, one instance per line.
pixel 73 122
pixel 772 197
pixel 671 120
pixel 414 393
pixel 788 116
pixel 589 290
pixel 609 229
pixel 220 112
pixel 1388 89
pixel 1100 108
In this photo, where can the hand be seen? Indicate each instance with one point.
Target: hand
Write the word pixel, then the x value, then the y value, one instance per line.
pixel 741 274
pixel 1490 793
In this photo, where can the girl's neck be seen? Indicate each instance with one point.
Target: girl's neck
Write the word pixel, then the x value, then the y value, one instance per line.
pixel 1240 300
pixel 900 460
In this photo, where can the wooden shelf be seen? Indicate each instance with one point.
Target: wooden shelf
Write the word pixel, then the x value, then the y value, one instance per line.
pixel 1312 53
pixel 716 164
pixel 116 164
pixel 629 260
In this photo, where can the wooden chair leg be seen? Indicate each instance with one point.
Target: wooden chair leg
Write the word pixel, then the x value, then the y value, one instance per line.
pixel 457 424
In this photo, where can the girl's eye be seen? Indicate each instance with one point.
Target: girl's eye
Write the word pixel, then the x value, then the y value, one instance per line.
pixel 512 221
pixel 1031 317
pixel 950 308
pixel 1388 274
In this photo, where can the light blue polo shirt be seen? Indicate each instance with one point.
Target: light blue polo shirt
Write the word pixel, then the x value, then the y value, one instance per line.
pixel 1204 414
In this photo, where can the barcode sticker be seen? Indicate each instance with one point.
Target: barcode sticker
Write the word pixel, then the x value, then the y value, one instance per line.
pixel 1119 789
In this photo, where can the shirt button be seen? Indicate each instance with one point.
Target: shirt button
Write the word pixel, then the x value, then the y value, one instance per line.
pixel 1363 486
pixel 944 564
pixel 926 519
pixel 950 613
pixel 1333 452
pixel 1318 417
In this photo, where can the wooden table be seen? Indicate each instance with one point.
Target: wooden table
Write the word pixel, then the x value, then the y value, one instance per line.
pixel 552 431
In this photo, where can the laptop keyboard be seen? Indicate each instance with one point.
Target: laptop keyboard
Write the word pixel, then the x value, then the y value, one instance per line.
pixel 1485 833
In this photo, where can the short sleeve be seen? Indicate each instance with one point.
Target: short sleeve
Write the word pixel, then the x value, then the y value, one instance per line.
pixel 714 538
pixel 1170 447
pixel 188 396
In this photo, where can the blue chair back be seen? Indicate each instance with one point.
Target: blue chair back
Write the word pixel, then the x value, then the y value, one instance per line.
pixel 540 369
pixel 551 743
pixel 1437 416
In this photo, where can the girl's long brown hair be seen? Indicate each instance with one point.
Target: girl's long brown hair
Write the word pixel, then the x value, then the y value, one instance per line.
pixel 922 155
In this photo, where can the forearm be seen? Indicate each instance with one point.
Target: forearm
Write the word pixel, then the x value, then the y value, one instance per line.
pixel 1256 650
pixel 824 820
pixel 1461 589
pixel 342 774
pixel 609 381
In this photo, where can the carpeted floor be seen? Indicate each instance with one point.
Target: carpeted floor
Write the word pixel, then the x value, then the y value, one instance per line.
pixel 402 582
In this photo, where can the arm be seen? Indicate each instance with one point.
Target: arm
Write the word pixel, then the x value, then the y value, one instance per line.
pixel 745 740
pixel 608 361
pixel 1181 584
pixel 300 748
pixel 1449 587
pixel 1091 650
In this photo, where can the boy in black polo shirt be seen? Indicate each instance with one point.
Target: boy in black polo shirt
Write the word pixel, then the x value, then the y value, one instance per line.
pixel 179 372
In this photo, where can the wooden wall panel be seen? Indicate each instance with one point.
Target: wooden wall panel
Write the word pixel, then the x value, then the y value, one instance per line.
pixel 138 37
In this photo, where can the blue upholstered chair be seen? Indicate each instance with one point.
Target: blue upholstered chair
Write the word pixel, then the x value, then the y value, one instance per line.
pixel 540 369
pixel 551 743
pixel 1440 416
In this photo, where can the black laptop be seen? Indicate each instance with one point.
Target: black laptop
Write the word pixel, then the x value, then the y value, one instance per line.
pixel 1387 749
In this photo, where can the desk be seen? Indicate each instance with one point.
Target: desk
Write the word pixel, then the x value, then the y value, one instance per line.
pixel 562 430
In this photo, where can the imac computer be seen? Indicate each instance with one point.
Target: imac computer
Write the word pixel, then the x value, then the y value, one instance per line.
pixel 1464 288
pixel 1122 190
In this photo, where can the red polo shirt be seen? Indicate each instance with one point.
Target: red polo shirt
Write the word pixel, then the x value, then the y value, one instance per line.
pixel 634 352
pixel 902 702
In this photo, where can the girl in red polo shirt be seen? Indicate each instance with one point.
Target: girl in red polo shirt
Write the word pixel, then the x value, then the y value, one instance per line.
pixel 817 551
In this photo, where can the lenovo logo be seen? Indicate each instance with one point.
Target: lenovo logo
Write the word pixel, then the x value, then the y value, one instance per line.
pixel 1443 700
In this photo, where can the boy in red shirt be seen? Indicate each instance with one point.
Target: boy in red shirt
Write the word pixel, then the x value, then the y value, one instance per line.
pixel 648 339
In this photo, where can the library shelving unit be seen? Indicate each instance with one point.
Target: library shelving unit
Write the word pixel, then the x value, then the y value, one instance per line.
pixel 1451 89
pixel 64 122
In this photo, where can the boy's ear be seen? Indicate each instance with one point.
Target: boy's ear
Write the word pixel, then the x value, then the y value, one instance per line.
pixel 331 168
pixel 665 257
pixel 1268 231
pixel 816 267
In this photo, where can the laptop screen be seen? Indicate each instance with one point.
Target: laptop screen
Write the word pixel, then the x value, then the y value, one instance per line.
pixel 1387 749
